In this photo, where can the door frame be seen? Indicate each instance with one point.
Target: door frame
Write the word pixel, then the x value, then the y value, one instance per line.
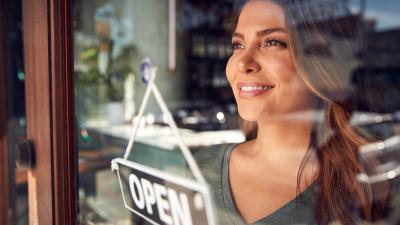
pixel 50 116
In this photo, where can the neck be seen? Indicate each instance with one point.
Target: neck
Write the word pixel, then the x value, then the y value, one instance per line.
pixel 281 137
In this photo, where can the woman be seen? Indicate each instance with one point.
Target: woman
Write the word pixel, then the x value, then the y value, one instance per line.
pixel 289 171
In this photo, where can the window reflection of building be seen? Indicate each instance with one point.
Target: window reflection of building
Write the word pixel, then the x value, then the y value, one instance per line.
pixel 377 81
pixel 374 76
pixel 375 54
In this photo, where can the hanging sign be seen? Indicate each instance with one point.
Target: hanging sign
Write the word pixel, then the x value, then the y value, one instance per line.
pixel 163 198
pixel 159 197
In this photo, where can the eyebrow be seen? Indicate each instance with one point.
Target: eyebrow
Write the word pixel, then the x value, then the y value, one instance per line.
pixel 261 33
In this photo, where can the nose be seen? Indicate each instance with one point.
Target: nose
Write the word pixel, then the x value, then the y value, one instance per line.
pixel 248 63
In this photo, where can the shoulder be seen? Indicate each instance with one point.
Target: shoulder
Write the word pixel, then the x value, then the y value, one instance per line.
pixel 210 159
pixel 209 154
pixel 210 151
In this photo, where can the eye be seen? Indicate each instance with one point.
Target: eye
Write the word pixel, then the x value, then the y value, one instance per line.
pixel 275 42
pixel 237 45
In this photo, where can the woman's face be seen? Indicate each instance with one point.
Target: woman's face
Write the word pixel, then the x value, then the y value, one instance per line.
pixel 260 71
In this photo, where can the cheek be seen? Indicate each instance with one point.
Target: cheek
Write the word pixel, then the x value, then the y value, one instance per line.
pixel 291 86
pixel 280 67
pixel 297 94
pixel 230 70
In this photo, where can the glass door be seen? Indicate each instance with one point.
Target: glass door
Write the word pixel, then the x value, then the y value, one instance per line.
pixel 112 37
pixel 80 79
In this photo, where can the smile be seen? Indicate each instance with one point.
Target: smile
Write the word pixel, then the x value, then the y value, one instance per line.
pixel 254 88
pixel 249 90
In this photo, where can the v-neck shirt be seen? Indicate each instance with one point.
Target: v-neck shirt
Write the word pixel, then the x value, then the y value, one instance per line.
pixel 214 164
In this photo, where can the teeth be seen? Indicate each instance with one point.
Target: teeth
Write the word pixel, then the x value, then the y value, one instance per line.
pixel 255 88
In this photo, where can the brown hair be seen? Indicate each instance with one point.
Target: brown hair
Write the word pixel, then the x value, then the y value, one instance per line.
pixel 340 197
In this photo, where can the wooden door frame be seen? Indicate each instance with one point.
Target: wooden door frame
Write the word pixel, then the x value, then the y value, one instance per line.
pixel 48 54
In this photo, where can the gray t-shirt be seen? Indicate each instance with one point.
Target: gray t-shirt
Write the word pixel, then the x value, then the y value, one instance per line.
pixel 213 163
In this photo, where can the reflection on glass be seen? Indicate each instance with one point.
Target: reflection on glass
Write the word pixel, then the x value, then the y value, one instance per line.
pixel 105 88
pixel 352 43
pixel 103 64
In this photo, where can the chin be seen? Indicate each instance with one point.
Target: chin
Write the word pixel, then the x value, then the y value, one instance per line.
pixel 251 115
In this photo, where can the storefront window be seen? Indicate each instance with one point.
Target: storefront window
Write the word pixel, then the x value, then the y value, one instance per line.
pixel 308 88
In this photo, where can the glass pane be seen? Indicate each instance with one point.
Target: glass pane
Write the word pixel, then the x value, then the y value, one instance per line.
pixel 111 40
pixel 15 107
pixel 284 104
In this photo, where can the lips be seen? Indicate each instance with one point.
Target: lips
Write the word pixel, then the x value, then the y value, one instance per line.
pixel 253 89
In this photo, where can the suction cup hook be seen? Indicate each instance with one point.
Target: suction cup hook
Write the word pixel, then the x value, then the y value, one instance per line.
pixel 146 70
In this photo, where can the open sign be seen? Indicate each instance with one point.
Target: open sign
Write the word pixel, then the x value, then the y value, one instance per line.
pixel 163 198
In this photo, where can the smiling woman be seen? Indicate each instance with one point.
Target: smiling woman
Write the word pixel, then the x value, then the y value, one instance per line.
pixel 261 71
pixel 286 63
pixel 267 86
